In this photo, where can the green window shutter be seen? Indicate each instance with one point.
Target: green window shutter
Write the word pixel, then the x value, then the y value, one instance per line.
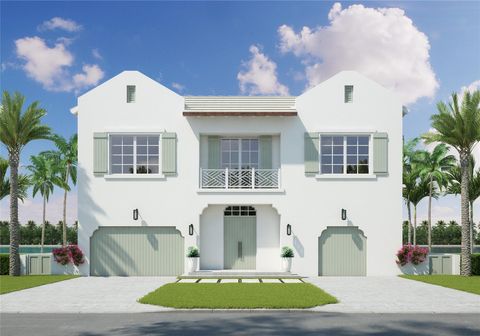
pixel 311 153
pixel 380 153
pixel 100 153
pixel 169 154
pixel 213 152
pixel 265 148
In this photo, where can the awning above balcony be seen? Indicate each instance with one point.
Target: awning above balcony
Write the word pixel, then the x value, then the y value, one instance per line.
pixel 235 106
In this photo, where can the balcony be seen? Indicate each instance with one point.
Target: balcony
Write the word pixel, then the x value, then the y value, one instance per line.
pixel 239 178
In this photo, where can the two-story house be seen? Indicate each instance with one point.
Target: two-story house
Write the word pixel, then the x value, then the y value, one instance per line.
pixel 240 177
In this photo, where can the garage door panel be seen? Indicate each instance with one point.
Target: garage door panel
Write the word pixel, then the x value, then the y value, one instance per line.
pixel 137 251
pixel 342 252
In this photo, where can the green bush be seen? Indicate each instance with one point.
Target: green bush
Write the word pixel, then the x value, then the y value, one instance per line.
pixel 4 264
pixel 476 264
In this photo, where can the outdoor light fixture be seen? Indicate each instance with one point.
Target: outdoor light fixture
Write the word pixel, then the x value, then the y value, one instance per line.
pixel 344 214
pixel 190 229
pixel 135 214
pixel 289 230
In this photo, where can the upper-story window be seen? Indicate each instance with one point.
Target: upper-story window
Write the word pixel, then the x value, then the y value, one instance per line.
pixel 348 93
pixel 344 154
pixel 131 90
pixel 134 154
pixel 239 153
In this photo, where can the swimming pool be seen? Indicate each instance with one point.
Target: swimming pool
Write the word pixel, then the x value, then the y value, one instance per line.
pixel 24 249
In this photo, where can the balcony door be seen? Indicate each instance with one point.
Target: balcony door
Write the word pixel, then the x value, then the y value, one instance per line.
pixel 239 153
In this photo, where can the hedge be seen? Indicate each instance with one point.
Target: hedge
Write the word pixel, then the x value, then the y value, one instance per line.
pixel 476 264
pixel 4 264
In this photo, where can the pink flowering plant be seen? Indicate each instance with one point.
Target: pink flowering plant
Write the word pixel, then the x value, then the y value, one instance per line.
pixel 68 254
pixel 411 254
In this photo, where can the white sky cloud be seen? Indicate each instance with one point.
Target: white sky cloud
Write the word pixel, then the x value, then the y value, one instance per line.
pixel 51 66
pixel 381 43
pixel 472 87
pixel 96 54
pixel 60 23
pixel 259 76
pixel 179 87
pixel 32 209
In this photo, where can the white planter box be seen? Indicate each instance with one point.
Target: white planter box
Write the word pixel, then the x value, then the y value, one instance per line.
pixel 420 269
pixel 286 264
pixel 68 269
pixel 192 264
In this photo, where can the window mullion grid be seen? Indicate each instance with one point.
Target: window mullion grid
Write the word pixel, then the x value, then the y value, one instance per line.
pixel 344 154
pixel 135 155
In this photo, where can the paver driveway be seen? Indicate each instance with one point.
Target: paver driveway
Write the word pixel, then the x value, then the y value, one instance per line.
pixel 393 295
pixel 85 295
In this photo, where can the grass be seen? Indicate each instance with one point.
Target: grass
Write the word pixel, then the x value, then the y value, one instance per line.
pixel 238 295
pixel 11 284
pixel 463 283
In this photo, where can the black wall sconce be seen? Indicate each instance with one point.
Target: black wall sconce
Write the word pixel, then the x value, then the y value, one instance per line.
pixel 289 230
pixel 190 229
pixel 344 214
pixel 135 214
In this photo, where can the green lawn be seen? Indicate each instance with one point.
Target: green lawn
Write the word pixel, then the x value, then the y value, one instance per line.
pixel 466 284
pixel 11 284
pixel 238 295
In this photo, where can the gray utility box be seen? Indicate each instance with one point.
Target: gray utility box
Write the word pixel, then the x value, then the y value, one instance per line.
pixel 443 263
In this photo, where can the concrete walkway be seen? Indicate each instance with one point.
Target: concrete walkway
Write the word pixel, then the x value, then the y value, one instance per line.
pixel 393 295
pixel 85 295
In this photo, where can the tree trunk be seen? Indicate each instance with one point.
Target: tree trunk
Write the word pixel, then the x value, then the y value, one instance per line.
pixel 409 239
pixel 472 225
pixel 465 265
pixel 64 226
pixel 42 241
pixel 415 225
pixel 14 262
pixel 430 215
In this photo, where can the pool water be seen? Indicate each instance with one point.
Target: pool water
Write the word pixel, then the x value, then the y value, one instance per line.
pixel 24 249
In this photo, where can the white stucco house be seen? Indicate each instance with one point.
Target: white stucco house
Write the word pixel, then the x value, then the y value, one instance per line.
pixel 240 177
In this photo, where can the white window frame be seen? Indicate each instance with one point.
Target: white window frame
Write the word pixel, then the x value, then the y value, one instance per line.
pixel 345 174
pixel 239 139
pixel 135 174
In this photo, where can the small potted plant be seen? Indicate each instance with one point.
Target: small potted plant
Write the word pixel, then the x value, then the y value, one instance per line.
pixel 287 255
pixel 193 254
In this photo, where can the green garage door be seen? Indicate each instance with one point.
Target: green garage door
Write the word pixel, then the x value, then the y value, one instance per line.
pixel 342 251
pixel 136 251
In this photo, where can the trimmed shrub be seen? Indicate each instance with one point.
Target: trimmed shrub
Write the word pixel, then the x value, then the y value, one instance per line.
pixel 193 252
pixel 411 254
pixel 287 252
pixel 4 263
pixel 68 254
pixel 476 264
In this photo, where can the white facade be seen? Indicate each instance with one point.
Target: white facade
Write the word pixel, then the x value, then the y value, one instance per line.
pixel 308 203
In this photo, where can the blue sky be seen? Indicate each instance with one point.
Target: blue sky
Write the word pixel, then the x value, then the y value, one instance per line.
pixel 55 51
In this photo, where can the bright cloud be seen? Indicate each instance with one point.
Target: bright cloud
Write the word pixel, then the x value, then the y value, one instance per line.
pixel 177 86
pixel 259 76
pixel 472 87
pixel 97 54
pixel 32 209
pixel 50 66
pixel 60 23
pixel 381 43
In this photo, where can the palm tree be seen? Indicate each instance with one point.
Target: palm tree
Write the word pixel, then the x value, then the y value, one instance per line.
pixel 409 177
pixel 433 167
pixel 17 129
pixel 420 190
pixel 23 182
pixel 66 157
pixel 459 126
pixel 45 176
pixel 454 188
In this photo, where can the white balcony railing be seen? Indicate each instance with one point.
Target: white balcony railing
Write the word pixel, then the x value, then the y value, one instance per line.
pixel 239 178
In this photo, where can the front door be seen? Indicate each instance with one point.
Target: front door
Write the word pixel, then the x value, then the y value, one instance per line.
pixel 240 238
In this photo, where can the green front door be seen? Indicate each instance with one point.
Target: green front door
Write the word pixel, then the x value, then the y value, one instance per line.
pixel 240 242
